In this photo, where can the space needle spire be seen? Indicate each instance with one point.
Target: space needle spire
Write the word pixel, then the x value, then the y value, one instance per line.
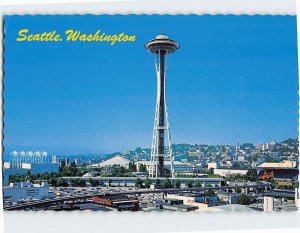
pixel 161 148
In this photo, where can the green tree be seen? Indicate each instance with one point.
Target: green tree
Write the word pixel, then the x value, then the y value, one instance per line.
pixel 167 184
pixel 142 168
pixel 295 184
pixel 138 182
pixel 197 185
pixel 79 173
pixel 210 192
pixel 60 182
pixel 177 184
pixel 157 181
pixel 148 183
pixel 121 170
pixel 251 175
pixel 91 181
pixel 81 183
pixel 255 158
pixel 243 199
pixel 28 176
pixel 167 172
pixel 189 184
pixel 236 165
pixel 66 171
pixel 52 181
pixel 45 176
pixel 211 171
pixel 28 173
pixel 76 182
pixel 131 167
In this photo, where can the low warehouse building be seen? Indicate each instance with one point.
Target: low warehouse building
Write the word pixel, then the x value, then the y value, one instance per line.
pixel 121 202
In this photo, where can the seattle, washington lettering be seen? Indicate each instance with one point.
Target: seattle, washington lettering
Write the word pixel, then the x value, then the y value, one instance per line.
pixel 73 36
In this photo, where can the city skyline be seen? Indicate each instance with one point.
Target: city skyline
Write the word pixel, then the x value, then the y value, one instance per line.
pixel 52 101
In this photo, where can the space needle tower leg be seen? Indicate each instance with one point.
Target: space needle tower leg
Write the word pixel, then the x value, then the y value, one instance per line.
pixel 161 114
pixel 161 149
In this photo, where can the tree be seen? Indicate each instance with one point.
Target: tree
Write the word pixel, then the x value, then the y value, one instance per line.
pixel 52 181
pixel 138 182
pixel 142 168
pixel 270 159
pixel 197 185
pixel 157 181
pixel 66 171
pixel 210 192
pixel 236 165
pixel 251 175
pixel 131 167
pixel 167 184
pixel 295 185
pixel 28 176
pixel 81 183
pixel 211 171
pixel 79 173
pixel 60 182
pixel 91 181
pixel 167 172
pixel 121 170
pixel 148 183
pixel 255 158
pixel 76 182
pixel 189 184
pixel 45 176
pixel 177 184
pixel 243 199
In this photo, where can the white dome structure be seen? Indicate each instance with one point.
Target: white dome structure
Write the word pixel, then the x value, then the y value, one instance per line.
pixel 161 37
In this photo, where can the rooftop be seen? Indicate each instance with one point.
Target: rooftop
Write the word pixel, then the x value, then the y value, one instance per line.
pixel 117 160
pixel 284 164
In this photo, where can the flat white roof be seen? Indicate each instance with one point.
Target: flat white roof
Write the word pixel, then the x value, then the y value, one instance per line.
pixel 284 164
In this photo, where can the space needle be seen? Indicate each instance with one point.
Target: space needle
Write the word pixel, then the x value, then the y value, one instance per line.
pixel 161 148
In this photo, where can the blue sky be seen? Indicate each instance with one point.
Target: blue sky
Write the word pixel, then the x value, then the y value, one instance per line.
pixel 233 79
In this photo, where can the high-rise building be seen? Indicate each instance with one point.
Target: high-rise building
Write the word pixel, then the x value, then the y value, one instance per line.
pixel 54 159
